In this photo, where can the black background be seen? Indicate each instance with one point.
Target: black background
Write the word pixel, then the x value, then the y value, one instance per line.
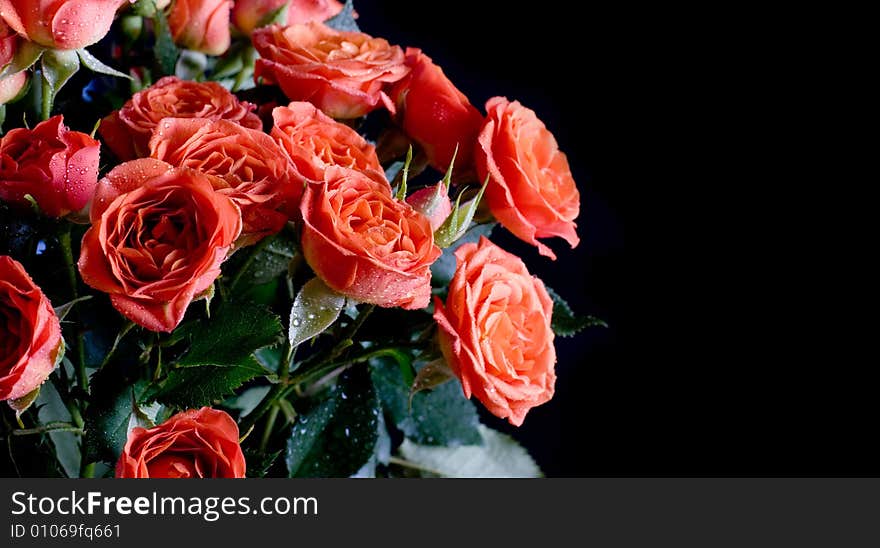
pixel 731 350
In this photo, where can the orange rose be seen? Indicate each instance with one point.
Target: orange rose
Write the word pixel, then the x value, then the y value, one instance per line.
pixel 56 166
pixel 201 25
pixel 30 335
pixel 495 331
pixel 159 235
pixel 128 130
pixel 342 73
pixel 194 444
pixel 365 244
pixel 250 167
pixel 314 141
pixel 248 14
pixel 60 24
pixel 531 190
pixel 435 114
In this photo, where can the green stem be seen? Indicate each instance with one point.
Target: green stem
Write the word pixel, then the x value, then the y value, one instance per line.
pixel 54 426
pixel 270 425
pixel 82 375
pixel 46 98
pixel 283 374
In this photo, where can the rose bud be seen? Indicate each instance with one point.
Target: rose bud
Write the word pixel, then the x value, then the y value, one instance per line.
pixel 30 336
pixel 193 444
pixel 530 190
pixel 435 114
pixel 201 25
pixel 432 202
pixel 60 24
pixel 57 167
pixel 248 15
pixel 495 331
pixel 11 84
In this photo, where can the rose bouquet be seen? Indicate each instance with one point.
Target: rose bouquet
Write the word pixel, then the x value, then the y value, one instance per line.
pixel 248 239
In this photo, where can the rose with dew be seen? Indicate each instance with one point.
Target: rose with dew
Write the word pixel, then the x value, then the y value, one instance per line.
pixel 30 336
pixel 199 443
pixel 345 74
pixel 248 15
pixel 365 244
pixel 435 114
pixel 530 190
pixel 60 24
pixel 201 25
pixel 158 237
pixel 128 130
pixel 250 168
pixel 56 167
pixel 313 141
pixel 495 331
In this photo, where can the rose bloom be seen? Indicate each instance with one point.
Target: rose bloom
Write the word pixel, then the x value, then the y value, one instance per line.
pixel 248 14
pixel 60 24
pixel 128 130
pixel 342 73
pixel 193 444
pixel 251 168
pixel 12 84
pixel 313 141
pixel 201 25
pixel 495 331
pixel 530 191
pixel 159 235
pixel 365 244
pixel 435 114
pixel 30 336
pixel 55 166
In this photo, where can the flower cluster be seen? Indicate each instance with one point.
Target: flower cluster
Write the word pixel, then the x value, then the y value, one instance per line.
pixel 196 187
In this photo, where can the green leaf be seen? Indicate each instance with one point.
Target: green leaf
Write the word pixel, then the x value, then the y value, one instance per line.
pixel 95 65
pixel 58 67
pixel 63 310
pixel 401 190
pixel 315 309
pixel 432 375
pixel 248 400
pixel 344 20
pixel 66 443
pixel 165 50
pixel 28 53
pixel 440 417
pixel 145 8
pixel 565 322
pixel 276 16
pixel 338 436
pixel 258 463
pixel 187 387
pixel 108 415
pixel 444 268
pixel 455 226
pixel 191 65
pixel 500 456
pixel 270 262
pixel 231 336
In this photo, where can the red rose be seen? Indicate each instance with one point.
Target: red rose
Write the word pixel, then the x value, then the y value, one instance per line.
pixel 314 141
pixel 128 130
pixel 60 24
pixel 248 14
pixel 201 25
pixel 251 168
pixel 30 335
pixel 495 331
pixel 435 114
pixel 342 73
pixel 194 444
pixel 56 166
pixel 159 235
pixel 365 244
pixel 530 191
